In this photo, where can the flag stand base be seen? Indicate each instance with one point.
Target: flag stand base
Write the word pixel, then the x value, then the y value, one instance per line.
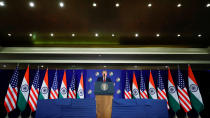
pixel 7 116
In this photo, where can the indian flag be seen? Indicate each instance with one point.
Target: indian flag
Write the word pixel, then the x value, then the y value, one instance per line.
pixel 172 93
pixel 152 89
pixel 44 91
pixel 195 96
pixel 63 88
pixel 135 90
pixel 80 91
pixel 24 92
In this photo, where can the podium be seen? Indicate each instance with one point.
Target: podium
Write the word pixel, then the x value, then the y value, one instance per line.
pixel 104 95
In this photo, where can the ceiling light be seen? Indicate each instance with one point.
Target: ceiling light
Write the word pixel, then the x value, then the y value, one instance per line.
pixel 179 5
pixel 31 4
pixel 136 35
pixel 113 35
pixel 199 35
pixel 30 35
pixel 157 35
pixel 117 5
pixel 94 4
pixel 178 35
pixel 73 35
pixel 208 5
pixel 149 5
pixel 9 34
pixel 96 34
pixel 51 34
pixel 2 3
pixel 61 4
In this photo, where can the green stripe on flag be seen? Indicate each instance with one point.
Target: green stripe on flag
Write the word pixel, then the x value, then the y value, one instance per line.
pixel 197 105
pixel 173 103
pixel 41 97
pixel 21 102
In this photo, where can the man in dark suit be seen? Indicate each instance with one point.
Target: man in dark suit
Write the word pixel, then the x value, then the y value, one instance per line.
pixel 104 78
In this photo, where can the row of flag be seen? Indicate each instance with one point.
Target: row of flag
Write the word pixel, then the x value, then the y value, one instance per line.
pixel 174 100
pixel 30 96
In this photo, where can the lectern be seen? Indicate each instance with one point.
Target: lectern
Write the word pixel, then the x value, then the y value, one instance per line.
pixel 104 94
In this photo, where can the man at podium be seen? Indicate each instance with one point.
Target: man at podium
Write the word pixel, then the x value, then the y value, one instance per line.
pixel 104 78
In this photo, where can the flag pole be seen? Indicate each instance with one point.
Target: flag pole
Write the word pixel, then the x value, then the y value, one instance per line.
pixel 186 115
pixel 30 115
pixel 19 115
pixel 7 116
pixel 199 116
pixel 175 116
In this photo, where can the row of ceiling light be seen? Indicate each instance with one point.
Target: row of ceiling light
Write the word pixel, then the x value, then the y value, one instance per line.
pixel 61 4
pixel 97 35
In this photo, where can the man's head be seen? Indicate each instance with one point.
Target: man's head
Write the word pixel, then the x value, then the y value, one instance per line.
pixel 104 73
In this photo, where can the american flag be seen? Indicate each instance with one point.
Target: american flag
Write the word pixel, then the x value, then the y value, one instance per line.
pixel 161 89
pixel 72 90
pixel 183 94
pixel 54 88
pixel 11 96
pixel 34 92
pixel 127 91
pixel 143 91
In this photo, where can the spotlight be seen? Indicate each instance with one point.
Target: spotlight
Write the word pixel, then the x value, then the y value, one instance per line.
pixel 2 3
pixel 73 35
pixel 113 35
pixel 117 5
pixel 94 4
pixel 199 35
pixel 30 35
pixel 31 4
pixel 179 5
pixel 96 34
pixel 9 34
pixel 157 35
pixel 51 34
pixel 61 4
pixel 149 5
pixel 178 35
pixel 208 5
pixel 136 35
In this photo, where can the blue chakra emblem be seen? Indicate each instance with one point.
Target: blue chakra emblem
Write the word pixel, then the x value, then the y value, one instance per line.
pixel 24 88
pixel 152 91
pixel 44 90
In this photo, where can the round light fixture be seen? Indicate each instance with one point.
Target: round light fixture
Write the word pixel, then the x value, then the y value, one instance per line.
pixel 51 34
pixel 31 4
pixel 2 4
pixel 96 35
pixel 157 35
pixel 113 35
pixel 117 5
pixel 179 5
pixel 94 4
pixel 30 34
pixel 136 35
pixel 178 35
pixel 208 5
pixel 73 35
pixel 149 5
pixel 61 4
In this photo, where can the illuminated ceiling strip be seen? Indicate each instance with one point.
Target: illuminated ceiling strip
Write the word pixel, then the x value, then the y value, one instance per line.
pixel 128 51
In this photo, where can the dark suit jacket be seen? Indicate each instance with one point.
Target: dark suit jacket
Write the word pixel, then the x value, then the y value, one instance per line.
pixel 100 79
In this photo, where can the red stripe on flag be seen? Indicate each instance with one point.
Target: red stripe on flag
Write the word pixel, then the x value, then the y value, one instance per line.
pixel 185 105
pixel 6 106
pixel 185 97
pixel 13 97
